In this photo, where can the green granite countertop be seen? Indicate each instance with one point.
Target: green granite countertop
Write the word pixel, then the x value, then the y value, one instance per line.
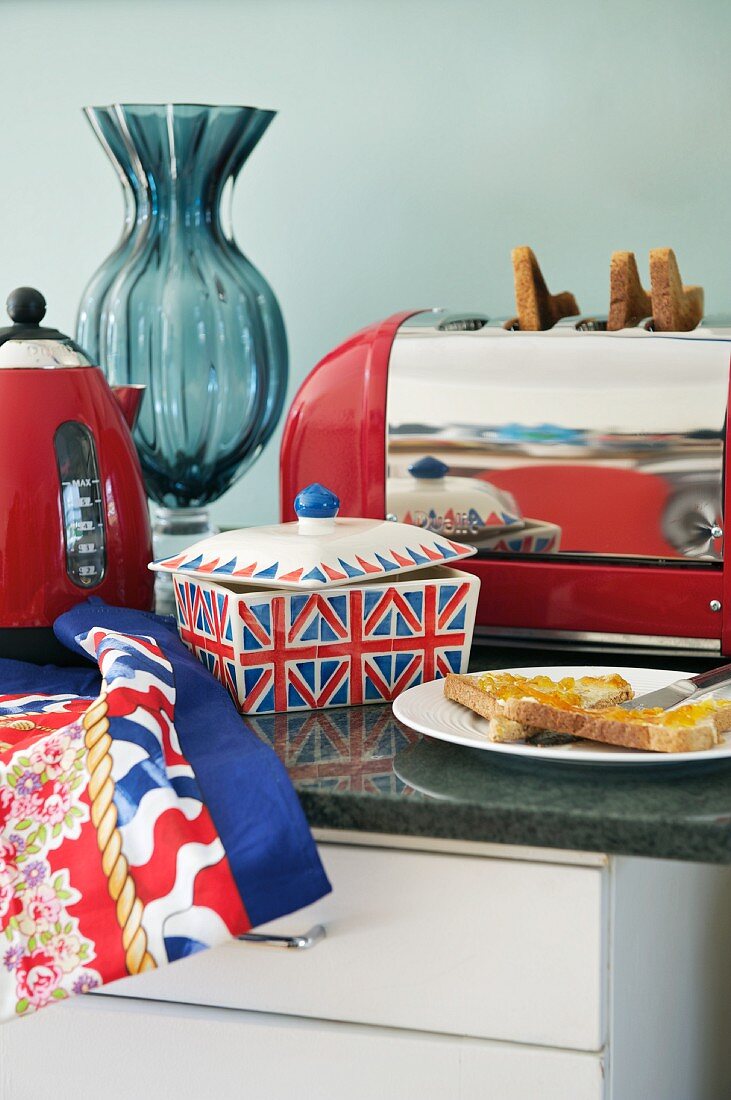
pixel 357 768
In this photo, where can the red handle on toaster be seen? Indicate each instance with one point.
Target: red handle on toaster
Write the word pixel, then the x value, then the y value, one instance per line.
pixel 342 403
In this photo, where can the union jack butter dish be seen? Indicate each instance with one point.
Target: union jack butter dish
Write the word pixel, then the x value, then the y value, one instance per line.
pixel 325 611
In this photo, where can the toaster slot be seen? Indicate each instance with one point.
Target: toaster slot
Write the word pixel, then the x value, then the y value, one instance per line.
pixel 588 323
pixel 465 323
pixel 577 323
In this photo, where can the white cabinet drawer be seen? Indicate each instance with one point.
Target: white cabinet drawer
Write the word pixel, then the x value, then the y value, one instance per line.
pixel 128 1048
pixel 491 948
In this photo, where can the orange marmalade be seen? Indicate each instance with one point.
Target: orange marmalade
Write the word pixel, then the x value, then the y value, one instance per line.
pixel 565 694
pixel 690 714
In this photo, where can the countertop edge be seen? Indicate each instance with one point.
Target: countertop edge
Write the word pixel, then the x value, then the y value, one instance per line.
pixel 702 842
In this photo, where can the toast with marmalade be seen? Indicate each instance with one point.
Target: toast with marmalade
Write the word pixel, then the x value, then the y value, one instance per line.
pixel 517 707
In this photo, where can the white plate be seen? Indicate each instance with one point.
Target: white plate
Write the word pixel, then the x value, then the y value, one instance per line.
pixel 425 709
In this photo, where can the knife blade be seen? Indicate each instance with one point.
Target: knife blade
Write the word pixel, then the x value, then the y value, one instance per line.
pixel 681 690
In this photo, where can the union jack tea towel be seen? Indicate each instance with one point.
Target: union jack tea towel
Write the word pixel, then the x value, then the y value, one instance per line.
pixel 140 821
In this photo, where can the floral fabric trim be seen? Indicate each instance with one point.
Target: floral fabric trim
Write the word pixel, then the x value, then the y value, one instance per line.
pixel 43 951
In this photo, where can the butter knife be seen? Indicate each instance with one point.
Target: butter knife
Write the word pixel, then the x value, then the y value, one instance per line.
pixel 682 690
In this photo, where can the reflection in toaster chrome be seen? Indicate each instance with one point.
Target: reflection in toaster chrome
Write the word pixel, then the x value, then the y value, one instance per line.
pixel 560 442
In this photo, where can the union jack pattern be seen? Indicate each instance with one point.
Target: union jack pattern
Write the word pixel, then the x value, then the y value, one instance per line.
pixel 204 614
pixel 345 646
pixel 353 754
pixel 168 838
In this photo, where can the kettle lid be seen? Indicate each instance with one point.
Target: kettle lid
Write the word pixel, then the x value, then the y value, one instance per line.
pixel 26 343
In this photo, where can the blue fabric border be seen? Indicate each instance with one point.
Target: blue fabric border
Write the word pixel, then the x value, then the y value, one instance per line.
pixel 251 799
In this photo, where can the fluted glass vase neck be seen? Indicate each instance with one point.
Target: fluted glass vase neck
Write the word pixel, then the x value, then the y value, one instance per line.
pixel 175 159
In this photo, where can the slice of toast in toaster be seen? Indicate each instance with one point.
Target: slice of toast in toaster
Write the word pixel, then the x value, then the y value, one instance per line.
pixel 629 303
pixel 537 308
pixel 675 307
pixel 516 709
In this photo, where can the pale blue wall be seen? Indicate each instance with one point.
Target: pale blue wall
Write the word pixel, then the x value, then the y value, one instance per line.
pixel 417 143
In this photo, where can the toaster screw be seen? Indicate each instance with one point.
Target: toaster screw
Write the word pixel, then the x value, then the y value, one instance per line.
pixel 715 605
pixel 716 531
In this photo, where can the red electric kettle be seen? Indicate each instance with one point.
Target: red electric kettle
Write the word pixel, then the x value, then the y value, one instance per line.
pixel 73 510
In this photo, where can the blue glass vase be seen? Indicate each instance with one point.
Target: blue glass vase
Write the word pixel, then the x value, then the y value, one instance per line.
pixel 178 308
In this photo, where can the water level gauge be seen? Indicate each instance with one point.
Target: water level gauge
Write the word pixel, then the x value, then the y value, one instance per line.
pixel 81 498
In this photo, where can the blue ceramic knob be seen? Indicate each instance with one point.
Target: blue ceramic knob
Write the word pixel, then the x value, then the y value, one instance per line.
pixel 429 468
pixel 316 502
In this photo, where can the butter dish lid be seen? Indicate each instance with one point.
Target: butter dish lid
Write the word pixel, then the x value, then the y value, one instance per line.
pixel 318 550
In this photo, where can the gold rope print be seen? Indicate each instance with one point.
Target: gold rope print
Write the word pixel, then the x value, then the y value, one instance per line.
pixel 104 816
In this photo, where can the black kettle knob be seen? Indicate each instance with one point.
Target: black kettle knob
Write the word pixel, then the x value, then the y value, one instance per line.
pixel 26 306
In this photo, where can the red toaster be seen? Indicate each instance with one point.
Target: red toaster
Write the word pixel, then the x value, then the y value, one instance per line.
pixel 587 466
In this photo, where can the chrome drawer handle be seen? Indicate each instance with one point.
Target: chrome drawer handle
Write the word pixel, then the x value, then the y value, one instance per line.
pixel 300 943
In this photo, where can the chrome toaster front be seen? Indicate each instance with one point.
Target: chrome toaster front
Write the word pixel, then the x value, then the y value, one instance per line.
pixel 573 442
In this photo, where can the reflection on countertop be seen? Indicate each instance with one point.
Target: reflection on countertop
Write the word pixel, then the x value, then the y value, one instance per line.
pixel 357 768
pixel 345 749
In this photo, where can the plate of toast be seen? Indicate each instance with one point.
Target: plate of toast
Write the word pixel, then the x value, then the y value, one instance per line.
pixel 573 714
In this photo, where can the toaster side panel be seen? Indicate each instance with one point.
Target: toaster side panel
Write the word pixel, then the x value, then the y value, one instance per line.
pixel 335 431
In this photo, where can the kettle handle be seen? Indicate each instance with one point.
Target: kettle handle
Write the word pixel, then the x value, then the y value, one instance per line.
pixel 129 399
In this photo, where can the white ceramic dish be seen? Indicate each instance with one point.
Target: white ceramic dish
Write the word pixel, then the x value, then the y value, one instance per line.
pixel 386 611
pixel 425 709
